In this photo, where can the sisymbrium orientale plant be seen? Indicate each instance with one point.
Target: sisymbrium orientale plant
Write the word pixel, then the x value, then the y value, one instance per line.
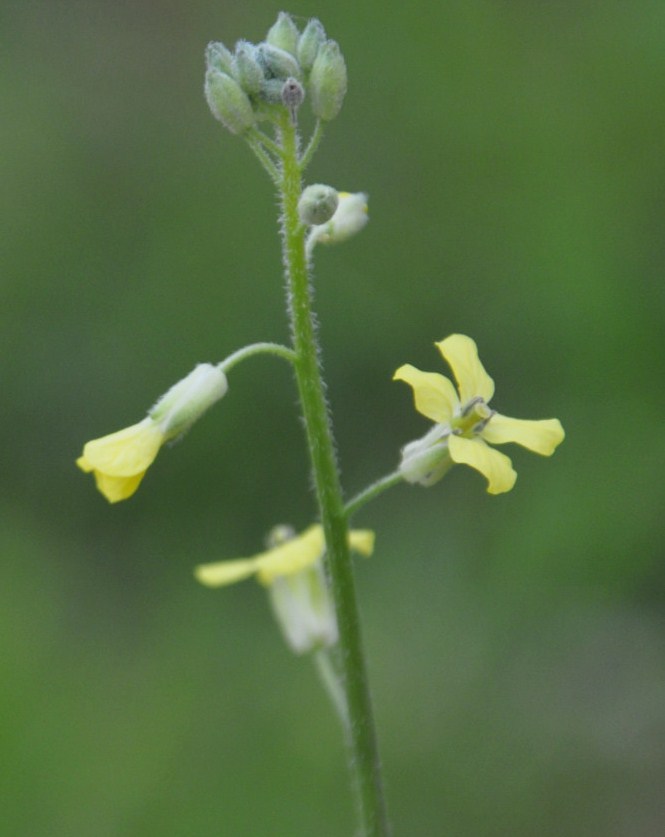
pixel 258 92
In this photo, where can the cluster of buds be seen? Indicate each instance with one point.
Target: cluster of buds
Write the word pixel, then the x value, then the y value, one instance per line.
pixel 257 81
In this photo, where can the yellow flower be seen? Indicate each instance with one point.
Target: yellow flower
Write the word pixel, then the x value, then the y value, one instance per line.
pixel 292 570
pixel 119 461
pixel 464 423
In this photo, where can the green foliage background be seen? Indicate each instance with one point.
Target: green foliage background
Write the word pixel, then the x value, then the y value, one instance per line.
pixel 513 152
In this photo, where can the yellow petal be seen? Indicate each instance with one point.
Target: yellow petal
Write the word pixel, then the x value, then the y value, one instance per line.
pixel 117 488
pixel 494 466
pixel 292 556
pixel 434 396
pixel 289 558
pixel 461 353
pixel 125 453
pixel 362 541
pixel 539 436
pixel 225 572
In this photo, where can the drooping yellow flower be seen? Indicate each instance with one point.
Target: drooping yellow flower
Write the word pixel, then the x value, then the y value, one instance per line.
pixel 292 570
pixel 119 461
pixel 465 424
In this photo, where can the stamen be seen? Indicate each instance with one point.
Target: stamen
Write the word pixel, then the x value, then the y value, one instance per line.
pixel 481 425
pixel 468 407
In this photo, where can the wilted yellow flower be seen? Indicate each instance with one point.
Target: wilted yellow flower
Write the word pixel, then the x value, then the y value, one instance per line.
pixel 292 571
pixel 119 461
pixel 464 423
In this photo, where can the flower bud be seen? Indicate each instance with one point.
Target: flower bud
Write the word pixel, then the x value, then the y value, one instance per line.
pixel 283 33
pixel 350 217
pixel 218 57
pixel 277 63
pixel 246 69
pixel 317 204
pixel 271 91
pixel 228 102
pixel 313 36
pixel 327 81
pixel 188 400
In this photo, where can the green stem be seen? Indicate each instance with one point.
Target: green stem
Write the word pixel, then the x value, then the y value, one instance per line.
pixel 362 743
pixel 265 140
pixel 256 349
pixel 329 677
pixel 371 492
pixel 317 136
pixel 264 158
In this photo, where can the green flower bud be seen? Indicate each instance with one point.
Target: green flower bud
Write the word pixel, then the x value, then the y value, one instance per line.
pixel 271 91
pixel 228 102
pixel 218 57
pixel 246 69
pixel 327 82
pixel 312 38
pixel 317 204
pixel 277 62
pixel 283 33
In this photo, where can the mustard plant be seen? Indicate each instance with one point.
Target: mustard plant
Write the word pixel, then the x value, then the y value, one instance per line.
pixel 257 92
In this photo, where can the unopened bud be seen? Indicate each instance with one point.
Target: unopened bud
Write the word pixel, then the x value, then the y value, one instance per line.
pixel 277 62
pixel 350 217
pixel 228 102
pixel 283 33
pixel 271 91
pixel 327 82
pixel 313 36
pixel 317 204
pixel 218 57
pixel 246 69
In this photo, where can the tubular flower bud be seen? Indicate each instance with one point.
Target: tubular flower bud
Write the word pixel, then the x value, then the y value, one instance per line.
pixel 284 33
pixel 218 57
pixel 228 102
pixel 313 36
pixel 119 461
pixel 277 62
pixel 246 69
pixel 292 571
pixel 327 81
pixel 317 204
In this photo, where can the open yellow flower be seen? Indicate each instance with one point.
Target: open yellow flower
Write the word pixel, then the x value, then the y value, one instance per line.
pixel 292 570
pixel 464 423
pixel 119 461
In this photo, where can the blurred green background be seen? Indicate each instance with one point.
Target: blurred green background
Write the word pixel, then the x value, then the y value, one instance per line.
pixel 513 152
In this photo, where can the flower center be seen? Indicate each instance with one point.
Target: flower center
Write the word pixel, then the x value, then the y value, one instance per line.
pixel 473 418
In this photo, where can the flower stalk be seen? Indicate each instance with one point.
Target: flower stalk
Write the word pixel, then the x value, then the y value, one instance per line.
pixel 361 735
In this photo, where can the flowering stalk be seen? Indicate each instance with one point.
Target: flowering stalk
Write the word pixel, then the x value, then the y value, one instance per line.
pixel 362 743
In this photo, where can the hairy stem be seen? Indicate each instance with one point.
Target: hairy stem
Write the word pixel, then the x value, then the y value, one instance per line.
pixel 362 743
